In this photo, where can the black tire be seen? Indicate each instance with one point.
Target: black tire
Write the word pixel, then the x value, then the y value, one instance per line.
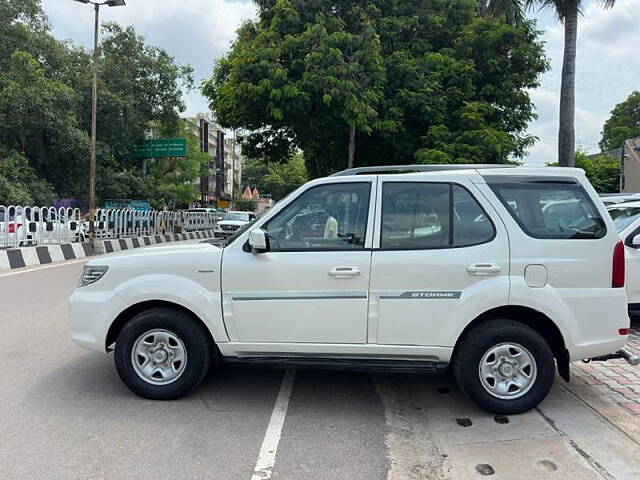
pixel 196 341
pixel 479 340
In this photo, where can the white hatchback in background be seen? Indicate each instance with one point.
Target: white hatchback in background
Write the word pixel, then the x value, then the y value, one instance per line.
pixel 499 273
pixel 626 218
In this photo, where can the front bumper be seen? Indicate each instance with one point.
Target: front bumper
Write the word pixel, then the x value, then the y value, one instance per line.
pixel 90 320
pixel 223 233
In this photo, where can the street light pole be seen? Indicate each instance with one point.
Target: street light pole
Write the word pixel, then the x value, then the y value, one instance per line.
pixel 94 125
pixel 94 111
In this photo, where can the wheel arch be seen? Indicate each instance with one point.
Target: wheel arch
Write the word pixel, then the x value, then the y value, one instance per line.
pixel 534 319
pixel 127 314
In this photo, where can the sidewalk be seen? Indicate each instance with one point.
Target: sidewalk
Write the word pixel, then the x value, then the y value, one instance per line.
pixel 615 381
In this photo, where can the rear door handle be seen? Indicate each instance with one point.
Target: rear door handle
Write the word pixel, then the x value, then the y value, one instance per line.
pixel 344 272
pixel 481 269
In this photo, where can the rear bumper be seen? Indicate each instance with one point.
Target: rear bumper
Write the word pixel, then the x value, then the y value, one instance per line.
pixel 591 350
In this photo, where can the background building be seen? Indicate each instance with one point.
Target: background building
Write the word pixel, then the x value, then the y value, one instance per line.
pixel 220 177
pixel 630 166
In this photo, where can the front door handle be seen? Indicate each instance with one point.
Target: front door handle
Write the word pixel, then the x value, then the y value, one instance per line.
pixel 344 272
pixel 481 269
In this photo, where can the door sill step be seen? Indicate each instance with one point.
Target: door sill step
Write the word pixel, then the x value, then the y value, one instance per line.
pixel 352 364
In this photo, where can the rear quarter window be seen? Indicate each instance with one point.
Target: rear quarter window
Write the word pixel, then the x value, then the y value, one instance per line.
pixel 551 210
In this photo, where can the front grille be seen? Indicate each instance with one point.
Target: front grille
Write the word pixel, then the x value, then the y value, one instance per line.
pixel 229 228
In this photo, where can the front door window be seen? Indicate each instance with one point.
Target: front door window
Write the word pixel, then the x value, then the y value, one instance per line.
pixel 326 217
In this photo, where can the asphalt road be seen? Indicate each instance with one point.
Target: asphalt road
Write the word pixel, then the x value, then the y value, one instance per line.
pixel 65 415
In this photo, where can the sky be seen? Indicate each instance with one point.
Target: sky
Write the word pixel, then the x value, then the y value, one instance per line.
pixel 198 32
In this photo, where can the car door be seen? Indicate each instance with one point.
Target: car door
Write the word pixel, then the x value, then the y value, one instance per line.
pixel 312 286
pixel 438 259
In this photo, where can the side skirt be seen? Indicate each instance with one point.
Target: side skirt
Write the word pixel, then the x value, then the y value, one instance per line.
pixel 352 364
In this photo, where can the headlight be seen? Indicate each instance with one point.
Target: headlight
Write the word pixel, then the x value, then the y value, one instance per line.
pixel 91 274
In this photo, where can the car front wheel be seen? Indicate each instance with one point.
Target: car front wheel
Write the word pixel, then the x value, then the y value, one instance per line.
pixel 163 354
pixel 504 366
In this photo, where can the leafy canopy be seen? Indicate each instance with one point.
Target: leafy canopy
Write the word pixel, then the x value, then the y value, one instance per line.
pixel 603 171
pixel 45 111
pixel 277 179
pixel 623 124
pixel 425 81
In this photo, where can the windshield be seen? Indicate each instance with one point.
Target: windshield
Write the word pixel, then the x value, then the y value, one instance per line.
pixel 243 216
pixel 623 217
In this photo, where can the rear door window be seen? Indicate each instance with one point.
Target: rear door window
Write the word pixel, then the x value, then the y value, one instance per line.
pixel 551 210
pixel 421 216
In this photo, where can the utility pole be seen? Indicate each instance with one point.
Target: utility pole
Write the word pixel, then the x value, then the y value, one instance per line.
pixel 94 125
pixel 94 111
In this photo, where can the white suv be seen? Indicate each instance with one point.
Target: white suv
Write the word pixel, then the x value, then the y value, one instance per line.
pixel 493 272
pixel 232 222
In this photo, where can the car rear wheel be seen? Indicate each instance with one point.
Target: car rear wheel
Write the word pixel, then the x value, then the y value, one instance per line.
pixel 163 354
pixel 504 366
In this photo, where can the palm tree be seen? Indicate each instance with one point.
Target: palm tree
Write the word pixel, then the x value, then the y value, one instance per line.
pixel 568 12
pixel 511 11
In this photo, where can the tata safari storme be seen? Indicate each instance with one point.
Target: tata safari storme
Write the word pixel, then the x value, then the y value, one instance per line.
pixel 497 273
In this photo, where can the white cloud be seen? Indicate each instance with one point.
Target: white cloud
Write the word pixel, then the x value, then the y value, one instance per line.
pixel 607 72
pixel 196 32
pixel 199 31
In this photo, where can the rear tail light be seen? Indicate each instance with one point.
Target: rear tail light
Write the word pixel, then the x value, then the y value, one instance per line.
pixel 13 227
pixel 617 277
pixel 623 331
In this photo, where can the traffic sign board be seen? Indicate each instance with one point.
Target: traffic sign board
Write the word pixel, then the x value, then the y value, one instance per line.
pixel 161 147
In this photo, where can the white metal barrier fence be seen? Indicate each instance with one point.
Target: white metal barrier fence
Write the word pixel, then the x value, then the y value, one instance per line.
pixel 29 225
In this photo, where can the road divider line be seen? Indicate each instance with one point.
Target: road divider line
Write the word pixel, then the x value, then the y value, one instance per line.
pixel 267 456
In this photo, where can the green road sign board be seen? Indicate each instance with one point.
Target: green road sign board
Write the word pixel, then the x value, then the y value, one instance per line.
pixel 161 147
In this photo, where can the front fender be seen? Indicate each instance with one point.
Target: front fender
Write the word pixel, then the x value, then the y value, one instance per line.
pixel 92 312
pixel 204 303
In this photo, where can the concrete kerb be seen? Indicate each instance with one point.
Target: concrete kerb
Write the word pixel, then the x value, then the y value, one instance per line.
pixel 41 255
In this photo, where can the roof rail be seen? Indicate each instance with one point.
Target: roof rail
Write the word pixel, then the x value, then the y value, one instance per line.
pixel 416 168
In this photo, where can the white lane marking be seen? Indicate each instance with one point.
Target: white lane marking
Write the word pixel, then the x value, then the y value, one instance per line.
pixel 267 456
pixel 43 267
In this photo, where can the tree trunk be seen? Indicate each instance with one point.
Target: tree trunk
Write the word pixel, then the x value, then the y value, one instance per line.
pixel 352 146
pixel 566 131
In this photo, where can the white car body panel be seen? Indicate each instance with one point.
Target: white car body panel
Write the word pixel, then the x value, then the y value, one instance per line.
pixel 632 255
pixel 409 301
pixel 186 275
pixel 319 308
pixel 286 304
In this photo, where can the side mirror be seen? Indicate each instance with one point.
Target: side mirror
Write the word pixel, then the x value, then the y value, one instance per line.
pixel 634 242
pixel 259 241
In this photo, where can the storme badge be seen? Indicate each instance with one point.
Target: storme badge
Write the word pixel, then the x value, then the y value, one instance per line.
pixel 419 295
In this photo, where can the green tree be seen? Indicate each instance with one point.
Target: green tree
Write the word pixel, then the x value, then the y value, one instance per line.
pixel 448 86
pixel 45 105
pixel 174 180
pixel 38 119
pixel 276 179
pixel 19 184
pixel 568 12
pixel 603 171
pixel 243 205
pixel 623 124
pixel 138 85
pixel 511 11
